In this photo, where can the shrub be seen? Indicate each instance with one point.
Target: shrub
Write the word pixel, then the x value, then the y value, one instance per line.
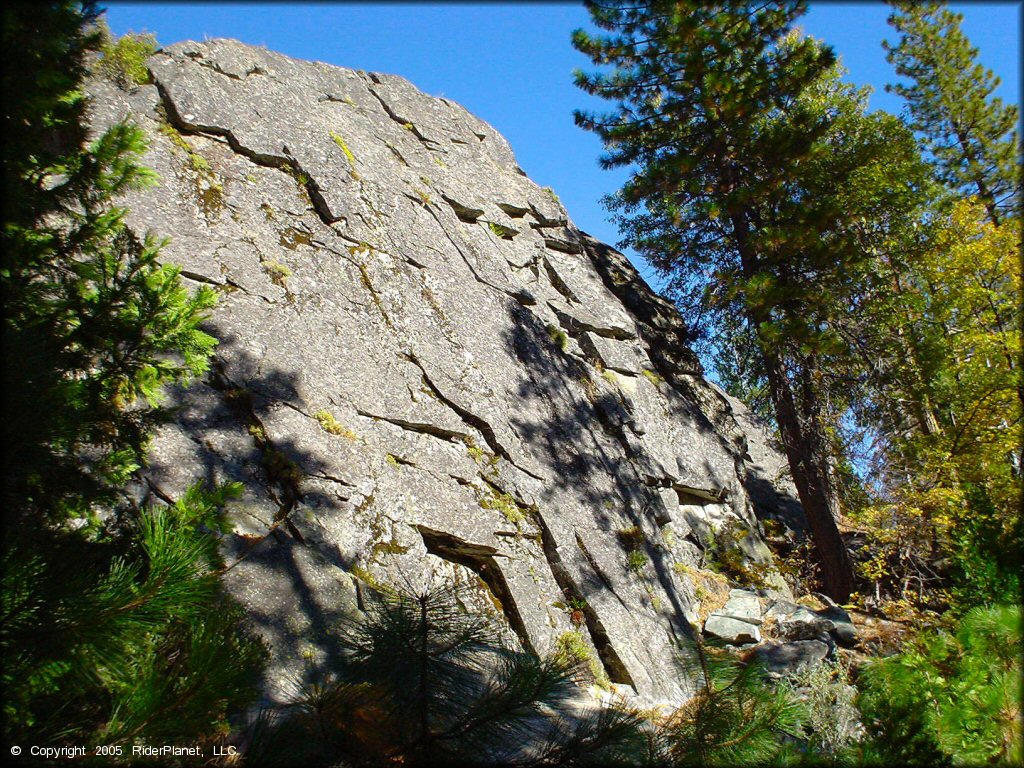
pixel 570 648
pixel 631 537
pixel 832 721
pixel 736 717
pixel 124 60
pixel 949 697
pixel 653 376
pixel 726 557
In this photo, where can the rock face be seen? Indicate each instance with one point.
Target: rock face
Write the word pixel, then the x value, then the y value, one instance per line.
pixel 425 372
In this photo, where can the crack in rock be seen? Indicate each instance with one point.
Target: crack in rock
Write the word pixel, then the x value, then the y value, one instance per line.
pixel 281 162
pixel 606 654
pixel 407 125
pixel 479 424
pixel 421 428
pixel 479 558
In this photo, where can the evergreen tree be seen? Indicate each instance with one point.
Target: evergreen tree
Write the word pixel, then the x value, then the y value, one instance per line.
pixel 949 698
pixel 94 322
pixel 114 625
pixel 756 174
pixel 123 636
pixel 970 134
pixel 737 717
pixel 424 682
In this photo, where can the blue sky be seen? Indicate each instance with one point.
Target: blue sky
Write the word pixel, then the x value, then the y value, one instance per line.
pixel 511 64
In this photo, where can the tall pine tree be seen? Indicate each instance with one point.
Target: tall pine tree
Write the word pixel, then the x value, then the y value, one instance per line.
pixel 92 318
pixel 710 117
pixel 970 134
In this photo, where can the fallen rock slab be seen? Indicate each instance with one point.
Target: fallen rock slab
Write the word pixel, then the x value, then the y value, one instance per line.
pixel 744 605
pixel 732 631
pixel 782 659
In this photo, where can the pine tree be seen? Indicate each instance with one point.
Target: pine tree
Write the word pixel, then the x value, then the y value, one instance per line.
pixel 92 318
pixel 126 635
pixel 114 624
pixel 424 682
pixel 970 134
pixel 737 716
pixel 756 176
pixel 949 698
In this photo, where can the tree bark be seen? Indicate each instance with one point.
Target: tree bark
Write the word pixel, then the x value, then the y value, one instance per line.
pixel 804 442
pixel 806 450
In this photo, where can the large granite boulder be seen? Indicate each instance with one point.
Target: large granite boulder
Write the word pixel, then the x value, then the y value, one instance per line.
pixel 426 372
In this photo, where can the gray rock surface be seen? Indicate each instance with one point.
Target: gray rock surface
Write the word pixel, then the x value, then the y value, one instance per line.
pixel 805 624
pixel 426 372
pixel 768 481
pixel 732 631
pixel 784 659
pixel 743 604
pixel 831 624
pixel 843 630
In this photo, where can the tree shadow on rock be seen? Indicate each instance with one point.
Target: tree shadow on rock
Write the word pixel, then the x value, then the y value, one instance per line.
pixel 291 584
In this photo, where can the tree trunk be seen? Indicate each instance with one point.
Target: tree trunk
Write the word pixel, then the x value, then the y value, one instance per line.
pixel 807 453
pixel 984 193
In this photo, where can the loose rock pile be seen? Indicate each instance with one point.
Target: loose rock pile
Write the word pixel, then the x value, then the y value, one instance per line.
pixel 801 637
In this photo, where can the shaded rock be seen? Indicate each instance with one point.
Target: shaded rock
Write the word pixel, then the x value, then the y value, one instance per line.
pixel 768 480
pixel 843 630
pixel 781 607
pixel 797 622
pixel 621 356
pixel 784 659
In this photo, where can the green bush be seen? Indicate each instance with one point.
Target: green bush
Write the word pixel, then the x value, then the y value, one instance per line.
pixel 986 557
pixel 949 698
pixel 126 635
pixel 831 728
pixel 636 561
pixel 124 60
pixel 558 336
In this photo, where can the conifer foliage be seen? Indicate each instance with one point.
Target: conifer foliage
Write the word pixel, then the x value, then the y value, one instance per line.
pixel 93 319
pixel 970 134
pixel 950 698
pixel 736 717
pixel 709 117
pixel 423 682
pixel 114 626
